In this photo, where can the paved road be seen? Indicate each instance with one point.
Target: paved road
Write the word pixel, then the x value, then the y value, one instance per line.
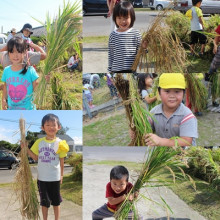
pixel 7 176
pixel 100 26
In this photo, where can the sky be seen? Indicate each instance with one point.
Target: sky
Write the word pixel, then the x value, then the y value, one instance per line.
pixel 16 13
pixel 9 126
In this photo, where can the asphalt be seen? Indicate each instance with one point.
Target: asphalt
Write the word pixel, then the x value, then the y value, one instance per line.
pixel 96 176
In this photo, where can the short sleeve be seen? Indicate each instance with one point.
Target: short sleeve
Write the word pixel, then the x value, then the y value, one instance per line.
pixel 63 149
pixel 144 93
pixel 34 57
pixel 199 12
pixel 33 74
pixel 35 148
pixel 109 191
pixel 3 79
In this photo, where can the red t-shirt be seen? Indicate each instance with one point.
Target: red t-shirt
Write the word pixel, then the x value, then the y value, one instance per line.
pixel 110 193
pixel 218 32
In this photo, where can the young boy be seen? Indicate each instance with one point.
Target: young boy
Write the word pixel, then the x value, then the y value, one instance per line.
pixel 116 192
pixel 50 152
pixel 172 117
pixel 197 26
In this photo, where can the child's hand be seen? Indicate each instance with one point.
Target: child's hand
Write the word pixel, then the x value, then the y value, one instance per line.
pixel 131 197
pixel 4 104
pixel 47 78
pixel 132 134
pixel 152 140
pixel 22 144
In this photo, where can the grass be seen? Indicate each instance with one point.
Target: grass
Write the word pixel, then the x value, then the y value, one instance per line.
pixel 101 95
pixel 96 39
pixel 71 190
pixel 114 131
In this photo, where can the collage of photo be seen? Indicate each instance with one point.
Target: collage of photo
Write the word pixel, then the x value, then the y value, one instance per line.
pixel 110 109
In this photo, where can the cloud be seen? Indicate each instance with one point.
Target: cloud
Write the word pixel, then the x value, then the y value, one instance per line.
pixel 77 140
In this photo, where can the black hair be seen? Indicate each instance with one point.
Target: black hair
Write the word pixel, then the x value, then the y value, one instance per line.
pixel 194 2
pixel 124 9
pixel 21 46
pixel 141 80
pixel 119 172
pixel 50 117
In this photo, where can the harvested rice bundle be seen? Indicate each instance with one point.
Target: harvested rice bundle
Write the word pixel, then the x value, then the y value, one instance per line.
pixel 137 115
pixel 197 90
pixel 24 186
pixel 215 89
pixel 164 48
pixel 157 159
pixel 61 33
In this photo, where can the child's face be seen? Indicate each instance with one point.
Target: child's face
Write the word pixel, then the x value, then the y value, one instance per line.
pixel 51 128
pixel 16 57
pixel 171 98
pixel 119 186
pixel 26 33
pixel 148 81
pixel 123 22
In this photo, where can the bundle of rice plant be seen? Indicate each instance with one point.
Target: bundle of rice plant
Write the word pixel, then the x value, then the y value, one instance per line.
pixel 157 159
pixel 137 115
pixel 61 34
pixel 24 186
pixel 215 89
pixel 197 90
pixel 163 46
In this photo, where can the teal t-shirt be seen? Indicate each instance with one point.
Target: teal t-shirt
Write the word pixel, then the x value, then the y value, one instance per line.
pixel 20 88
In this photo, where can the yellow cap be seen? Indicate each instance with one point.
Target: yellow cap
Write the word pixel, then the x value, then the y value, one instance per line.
pixel 172 81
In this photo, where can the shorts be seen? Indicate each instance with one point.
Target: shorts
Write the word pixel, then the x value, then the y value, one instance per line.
pixel 197 36
pixel 89 97
pixel 49 193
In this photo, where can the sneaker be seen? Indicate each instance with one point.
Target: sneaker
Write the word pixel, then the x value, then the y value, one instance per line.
pixel 91 106
pixel 215 104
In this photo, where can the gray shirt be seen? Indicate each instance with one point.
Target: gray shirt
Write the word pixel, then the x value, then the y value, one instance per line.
pixel 145 93
pixel 182 123
pixel 32 57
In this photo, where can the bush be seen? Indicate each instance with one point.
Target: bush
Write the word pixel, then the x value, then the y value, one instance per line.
pixel 202 165
pixel 75 160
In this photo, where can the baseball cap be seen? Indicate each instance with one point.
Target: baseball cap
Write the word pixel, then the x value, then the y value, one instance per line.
pixel 172 81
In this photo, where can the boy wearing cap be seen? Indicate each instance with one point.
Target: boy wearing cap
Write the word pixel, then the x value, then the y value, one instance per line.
pixel 172 117
pixel 12 34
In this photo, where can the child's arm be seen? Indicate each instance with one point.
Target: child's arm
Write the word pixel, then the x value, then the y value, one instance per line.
pixel 215 42
pixel 30 153
pixel 4 97
pixel 35 84
pixel 201 22
pixel 115 201
pixel 150 100
pixel 61 169
pixel 3 49
pixel 155 140
pixel 39 49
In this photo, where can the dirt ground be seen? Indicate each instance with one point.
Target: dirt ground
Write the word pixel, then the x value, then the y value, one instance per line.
pixel 9 208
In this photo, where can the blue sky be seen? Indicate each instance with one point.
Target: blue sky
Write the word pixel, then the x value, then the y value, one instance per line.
pixel 15 13
pixel 71 119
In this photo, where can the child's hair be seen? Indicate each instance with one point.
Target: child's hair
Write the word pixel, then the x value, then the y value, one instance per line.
pixel 50 117
pixel 141 80
pixel 194 2
pixel 124 9
pixel 21 46
pixel 119 172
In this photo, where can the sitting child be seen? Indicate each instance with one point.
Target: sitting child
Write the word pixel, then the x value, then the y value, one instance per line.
pixel 116 192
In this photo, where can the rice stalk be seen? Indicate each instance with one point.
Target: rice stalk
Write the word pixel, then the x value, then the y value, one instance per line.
pixel 61 34
pixel 197 90
pixel 157 159
pixel 24 186
pixel 163 46
pixel 215 88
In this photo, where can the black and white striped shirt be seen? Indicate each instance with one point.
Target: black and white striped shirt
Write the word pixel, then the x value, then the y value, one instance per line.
pixel 122 49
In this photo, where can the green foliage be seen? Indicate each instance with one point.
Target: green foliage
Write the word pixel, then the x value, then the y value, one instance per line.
pixel 75 160
pixel 179 24
pixel 202 165
pixel 12 147
pixel 31 137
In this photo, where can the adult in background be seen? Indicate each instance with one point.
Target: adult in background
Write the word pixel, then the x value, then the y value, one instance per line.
pixel 12 34
pixel 95 80
pixel 73 62
pixel 111 4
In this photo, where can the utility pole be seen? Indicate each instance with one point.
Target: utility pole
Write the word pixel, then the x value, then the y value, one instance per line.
pixel 1 29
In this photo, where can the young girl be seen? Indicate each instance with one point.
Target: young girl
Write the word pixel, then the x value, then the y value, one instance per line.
pixel 124 41
pixel 145 82
pixel 19 79
pixel 26 33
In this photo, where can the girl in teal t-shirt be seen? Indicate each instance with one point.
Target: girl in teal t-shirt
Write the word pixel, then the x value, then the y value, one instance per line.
pixel 20 80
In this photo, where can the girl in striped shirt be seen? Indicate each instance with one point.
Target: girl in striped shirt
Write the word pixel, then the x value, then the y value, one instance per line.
pixel 124 41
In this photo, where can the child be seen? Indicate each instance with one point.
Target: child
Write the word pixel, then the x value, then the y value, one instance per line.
pixel 73 62
pixel 26 33
pixel 197 26
pixel 116 192
pixel 50 152
pixel 125 41
pixel 87 89
pixel 20 80
pixel 145 82
pixel 172 118
pixel 111 86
